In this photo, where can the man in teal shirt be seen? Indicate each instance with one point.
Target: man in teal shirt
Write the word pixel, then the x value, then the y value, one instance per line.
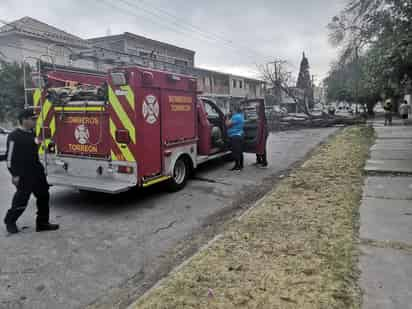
pixel 235 131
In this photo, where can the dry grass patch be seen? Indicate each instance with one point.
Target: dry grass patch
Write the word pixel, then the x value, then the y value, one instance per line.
pixel 295 250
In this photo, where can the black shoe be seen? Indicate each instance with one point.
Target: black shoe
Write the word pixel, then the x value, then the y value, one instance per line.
pixel 235 168
pixel 12 228
pixel 47 227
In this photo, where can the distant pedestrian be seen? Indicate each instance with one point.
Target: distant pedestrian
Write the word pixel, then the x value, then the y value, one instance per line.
pixel 404 110
pixel 261 158
pixel 27 175
pixel 388 112
pixel 236 133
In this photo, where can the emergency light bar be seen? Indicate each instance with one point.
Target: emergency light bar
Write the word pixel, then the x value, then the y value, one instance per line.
pixel 118 78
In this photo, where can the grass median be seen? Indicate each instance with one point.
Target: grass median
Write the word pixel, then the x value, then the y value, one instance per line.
pixel 296 249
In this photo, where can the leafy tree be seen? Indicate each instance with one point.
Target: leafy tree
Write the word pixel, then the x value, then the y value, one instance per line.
pixel 11 90
pixel 375 38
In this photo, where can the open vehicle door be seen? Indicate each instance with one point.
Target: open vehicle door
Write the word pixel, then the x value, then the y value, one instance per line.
pixel 256 130
pixel 212 129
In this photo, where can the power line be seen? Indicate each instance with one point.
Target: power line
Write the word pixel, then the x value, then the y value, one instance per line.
pixel 177 29
pixel 177 21
pixel 39 32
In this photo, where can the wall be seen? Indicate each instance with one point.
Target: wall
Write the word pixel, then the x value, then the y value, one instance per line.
pixel 136 45
pixel 237 86
pixel 31 47
pixel 140 46
pixel 210 82
pixel 8 50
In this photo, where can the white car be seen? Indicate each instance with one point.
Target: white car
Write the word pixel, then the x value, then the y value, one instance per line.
pixel 3 141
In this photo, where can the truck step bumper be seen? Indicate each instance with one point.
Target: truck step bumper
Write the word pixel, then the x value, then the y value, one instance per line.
pixel 89 184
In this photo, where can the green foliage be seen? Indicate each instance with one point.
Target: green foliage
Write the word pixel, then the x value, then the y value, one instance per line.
pixel 305 81
pixel 376 41
pixel 11 90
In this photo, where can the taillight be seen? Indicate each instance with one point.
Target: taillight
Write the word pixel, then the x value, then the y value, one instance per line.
pixel 122 136
pixel 125 169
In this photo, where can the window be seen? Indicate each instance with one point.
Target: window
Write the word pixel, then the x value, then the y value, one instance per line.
pixel 143 54
pixel 234 83
pixel 240 84
pixel 132 51
pixel 182 63
pixel 211 111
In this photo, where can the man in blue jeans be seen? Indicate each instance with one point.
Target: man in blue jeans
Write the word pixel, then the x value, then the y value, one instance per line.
pixel 236 132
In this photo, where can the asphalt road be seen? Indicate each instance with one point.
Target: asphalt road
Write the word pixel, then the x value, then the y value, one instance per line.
pixel 110 248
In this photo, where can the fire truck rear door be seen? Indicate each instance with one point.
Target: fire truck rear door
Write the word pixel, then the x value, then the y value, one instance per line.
pixel 150 134
pixel 255 126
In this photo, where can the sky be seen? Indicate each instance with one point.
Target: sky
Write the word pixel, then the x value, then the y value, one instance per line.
pixel 233 36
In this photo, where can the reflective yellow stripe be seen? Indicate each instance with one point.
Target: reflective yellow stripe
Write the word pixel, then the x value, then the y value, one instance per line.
pixel 53 126
pixel 114 158
pixel 127 154
pixel 129 96
pixel 44 146
pixel 124 118
pixel 47 105
pixel 41 148
pixel 36 97
pixel 43 114
pixel 155 181
pixel 79 109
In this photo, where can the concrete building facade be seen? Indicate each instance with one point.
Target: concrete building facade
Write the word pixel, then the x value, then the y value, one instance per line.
pixel 28 37
pixel 137 45
pixel 227 89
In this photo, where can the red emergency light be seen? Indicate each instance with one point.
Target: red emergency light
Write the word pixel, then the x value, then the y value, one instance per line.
pixel 122 136
pixel 125 169
pixel 147 79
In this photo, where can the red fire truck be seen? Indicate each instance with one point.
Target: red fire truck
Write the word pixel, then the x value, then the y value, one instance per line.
pixel 131 127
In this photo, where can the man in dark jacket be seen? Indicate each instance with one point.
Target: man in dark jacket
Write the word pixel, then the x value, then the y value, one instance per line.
pixel 27 175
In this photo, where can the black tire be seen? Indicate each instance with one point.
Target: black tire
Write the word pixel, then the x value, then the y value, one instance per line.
pixel 181 172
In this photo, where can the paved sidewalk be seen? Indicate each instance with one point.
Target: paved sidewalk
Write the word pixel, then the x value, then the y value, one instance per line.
pixel 386 220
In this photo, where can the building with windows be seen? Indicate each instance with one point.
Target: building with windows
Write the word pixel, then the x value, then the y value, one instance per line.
pixel 28 37
pixel 137 45
pixel 226 89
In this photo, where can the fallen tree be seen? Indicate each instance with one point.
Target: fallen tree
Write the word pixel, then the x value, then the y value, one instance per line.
pixel 291 121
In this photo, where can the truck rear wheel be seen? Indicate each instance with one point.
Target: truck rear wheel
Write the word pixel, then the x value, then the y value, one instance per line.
pixel 180 175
